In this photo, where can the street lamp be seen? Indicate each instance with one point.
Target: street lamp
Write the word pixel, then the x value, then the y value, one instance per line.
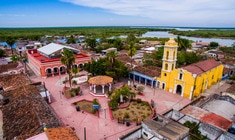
pixel 45 91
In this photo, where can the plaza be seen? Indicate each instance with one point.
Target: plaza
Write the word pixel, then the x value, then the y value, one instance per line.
pixel 104 126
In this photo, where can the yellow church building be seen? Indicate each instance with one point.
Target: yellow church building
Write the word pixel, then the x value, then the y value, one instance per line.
pixel 188 81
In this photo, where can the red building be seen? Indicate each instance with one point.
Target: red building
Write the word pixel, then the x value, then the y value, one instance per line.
pixel 45 61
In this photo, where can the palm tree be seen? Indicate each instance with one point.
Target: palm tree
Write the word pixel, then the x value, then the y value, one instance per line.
pixel 183 43
pixel 111 56
pixel 68 58
pixel 75 71
pixel 10 41
pixel 131 53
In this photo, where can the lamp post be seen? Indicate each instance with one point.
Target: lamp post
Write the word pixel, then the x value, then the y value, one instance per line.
pixel 45 91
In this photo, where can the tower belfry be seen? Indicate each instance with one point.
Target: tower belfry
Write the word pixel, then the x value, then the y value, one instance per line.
pixel 170 55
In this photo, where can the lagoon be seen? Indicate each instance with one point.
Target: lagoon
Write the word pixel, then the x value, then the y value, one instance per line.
pixel 165 34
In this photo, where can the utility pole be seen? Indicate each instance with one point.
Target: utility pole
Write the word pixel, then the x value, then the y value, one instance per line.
pixel 84 133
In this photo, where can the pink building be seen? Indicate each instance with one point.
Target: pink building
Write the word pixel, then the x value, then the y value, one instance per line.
pixel 45 61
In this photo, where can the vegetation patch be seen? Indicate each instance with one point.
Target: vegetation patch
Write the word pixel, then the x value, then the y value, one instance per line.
pixel 69 93
pixel 134 111
pixel 87 106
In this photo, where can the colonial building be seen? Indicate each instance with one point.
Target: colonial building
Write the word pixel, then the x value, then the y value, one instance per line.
pixel 45 61
pixel 188 81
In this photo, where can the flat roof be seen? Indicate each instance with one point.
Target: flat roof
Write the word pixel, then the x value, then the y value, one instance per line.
pixel 53 47
pixel 171 130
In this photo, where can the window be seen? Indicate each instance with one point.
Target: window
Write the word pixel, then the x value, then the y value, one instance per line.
pixel 145 134
pixel 166 66
pixel 165 74
pixel 180 76
pixel 174 55
pixel 172 67
pixel 167 55
pixel 212 77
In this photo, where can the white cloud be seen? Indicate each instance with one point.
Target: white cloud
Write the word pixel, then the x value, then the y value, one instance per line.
pixel 187 11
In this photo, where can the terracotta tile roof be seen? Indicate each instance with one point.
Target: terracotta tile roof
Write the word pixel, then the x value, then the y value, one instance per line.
pixel 194 112
pixel 126 59
pixel 227 61
pixel 13 81
pixel 231 89
pixel 26 111
pixel 202 66
pixel 217 121
pixel 61 133
pixel 150 71
pixel 100 80
pixel 5 68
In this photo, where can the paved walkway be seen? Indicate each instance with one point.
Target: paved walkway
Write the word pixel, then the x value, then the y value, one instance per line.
pixel 103 127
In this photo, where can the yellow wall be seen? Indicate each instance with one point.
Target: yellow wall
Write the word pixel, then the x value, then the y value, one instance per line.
pixel 188 82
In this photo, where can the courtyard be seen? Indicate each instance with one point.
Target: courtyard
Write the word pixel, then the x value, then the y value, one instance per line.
pixel 104 126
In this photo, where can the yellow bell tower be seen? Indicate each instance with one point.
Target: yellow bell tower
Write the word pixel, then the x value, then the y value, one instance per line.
pixel 170 56
pixel 168 64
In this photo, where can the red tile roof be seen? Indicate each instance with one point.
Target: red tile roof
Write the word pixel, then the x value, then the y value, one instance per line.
pixel 217 121
pixel 202 66
pixel 194 112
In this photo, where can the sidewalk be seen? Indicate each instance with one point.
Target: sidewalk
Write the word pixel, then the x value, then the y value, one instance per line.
pixel 217 88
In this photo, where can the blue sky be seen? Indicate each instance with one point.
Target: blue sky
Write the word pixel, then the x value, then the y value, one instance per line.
pixel 50 13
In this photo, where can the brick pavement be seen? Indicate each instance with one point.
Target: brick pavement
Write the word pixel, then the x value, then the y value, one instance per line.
pixel 103 127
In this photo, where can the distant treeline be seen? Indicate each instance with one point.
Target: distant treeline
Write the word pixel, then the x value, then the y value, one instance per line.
pixel 216 33
pixel 104 32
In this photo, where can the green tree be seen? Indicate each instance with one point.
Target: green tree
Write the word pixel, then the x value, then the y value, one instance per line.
pixel 91 42
pixel 68 58
pixel 183 44
pixel 11 41
pixel 75 71
pixel 111 57
pixel 71 40
pixel 131 38
pixel 15 58
pixel 213 45
pixel 2 53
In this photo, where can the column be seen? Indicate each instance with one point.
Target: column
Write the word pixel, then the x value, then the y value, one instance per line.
pixel 110 86
pixel 134 77
pixel 139 79
pixel 94 88
pixel 103 89
pixel 145 81
pixel 151 83
pixel 91 87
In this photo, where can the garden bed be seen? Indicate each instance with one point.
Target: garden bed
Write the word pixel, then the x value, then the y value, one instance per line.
pixel 87 106
pixel 134 111
pixel 69 93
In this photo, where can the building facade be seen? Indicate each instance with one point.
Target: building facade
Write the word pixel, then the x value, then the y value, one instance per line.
pixel 188 81
pixel 45 61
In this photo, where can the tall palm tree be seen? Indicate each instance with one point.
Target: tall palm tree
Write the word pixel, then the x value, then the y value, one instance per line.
pixel 131 53
pixel 68 58
pixel 183 43
pixel 111 56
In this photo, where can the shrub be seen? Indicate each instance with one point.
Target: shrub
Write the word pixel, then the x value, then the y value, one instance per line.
pixel 140 89
pixel 126 115
pixel 138 100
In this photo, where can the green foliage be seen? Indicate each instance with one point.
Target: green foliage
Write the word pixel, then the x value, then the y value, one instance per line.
pixel 140 89
pixel 15 58
pixel 71 40
pixel 186 58
pixel 230 50
pixel 68 58
pixel 183 44
pixel 91 42
pixel 194 130
pixel 232 77
pixel 206 33
pixel 126 115
pixel 95 102
pixel 2 53
pixel 131 38
pixel 138 100
pixel 154 59
pixel 213 45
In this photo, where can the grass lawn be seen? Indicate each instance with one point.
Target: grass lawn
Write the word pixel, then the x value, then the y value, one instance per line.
pixel 85 105
pixel 134 111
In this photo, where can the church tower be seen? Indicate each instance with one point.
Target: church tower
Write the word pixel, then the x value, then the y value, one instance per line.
pixel 168 65
pixel 170 56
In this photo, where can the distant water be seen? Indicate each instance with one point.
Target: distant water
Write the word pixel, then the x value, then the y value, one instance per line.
pixel 164 34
